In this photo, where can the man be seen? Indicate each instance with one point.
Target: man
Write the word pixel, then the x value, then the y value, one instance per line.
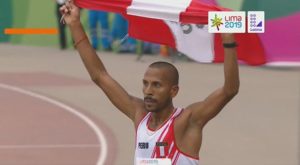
pixel 119 32
pixel 101 17
pixel 163 131
pixel 61 27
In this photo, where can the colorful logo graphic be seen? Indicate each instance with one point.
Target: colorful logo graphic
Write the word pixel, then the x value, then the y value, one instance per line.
pixel 227 22
pixel 217 21
pixel 256 22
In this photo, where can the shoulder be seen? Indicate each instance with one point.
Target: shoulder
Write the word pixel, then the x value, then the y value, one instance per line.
pixel 181 120
pixel 184 120
pixel 197 105
pixel 187 112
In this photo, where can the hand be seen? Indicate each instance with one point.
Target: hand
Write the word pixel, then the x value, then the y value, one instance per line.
pixel 70 13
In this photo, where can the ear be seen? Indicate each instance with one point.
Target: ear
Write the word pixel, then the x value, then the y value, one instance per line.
pixel 174 90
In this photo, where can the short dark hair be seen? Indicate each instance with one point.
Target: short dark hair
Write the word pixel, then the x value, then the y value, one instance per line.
pixel 168 66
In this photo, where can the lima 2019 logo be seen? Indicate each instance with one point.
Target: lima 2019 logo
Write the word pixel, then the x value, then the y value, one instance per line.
pixel 227 22
pixel 217 22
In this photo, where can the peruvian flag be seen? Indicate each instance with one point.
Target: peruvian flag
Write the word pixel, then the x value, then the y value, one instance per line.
pixel 181 24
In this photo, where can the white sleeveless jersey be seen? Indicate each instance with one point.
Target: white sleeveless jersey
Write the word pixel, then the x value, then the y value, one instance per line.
pixel 160 143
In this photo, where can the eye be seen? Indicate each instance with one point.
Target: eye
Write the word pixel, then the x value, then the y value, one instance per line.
pixel 156 84
pixel 145 83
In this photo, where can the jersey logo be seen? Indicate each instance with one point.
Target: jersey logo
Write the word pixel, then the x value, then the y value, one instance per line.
pixel 162 149
pixel 161 144
pixel 143 145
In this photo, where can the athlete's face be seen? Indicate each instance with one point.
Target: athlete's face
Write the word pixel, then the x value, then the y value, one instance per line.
pixel 158 89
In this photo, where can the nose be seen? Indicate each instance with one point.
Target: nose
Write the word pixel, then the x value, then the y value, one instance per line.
pixel 148 90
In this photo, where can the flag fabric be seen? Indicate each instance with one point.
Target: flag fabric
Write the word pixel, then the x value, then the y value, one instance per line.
pixel 281 39
pixel 181 24
pixel 281 42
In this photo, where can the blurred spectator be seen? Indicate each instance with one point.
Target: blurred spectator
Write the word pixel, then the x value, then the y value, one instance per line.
pixel 124 44
pixel 151 48
pixel 61 26
pixel 101 17
pixel 121 43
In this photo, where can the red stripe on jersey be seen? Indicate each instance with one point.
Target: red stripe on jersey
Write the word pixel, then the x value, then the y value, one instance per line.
pixel 176 158
pixel 171 139
pixel 155 148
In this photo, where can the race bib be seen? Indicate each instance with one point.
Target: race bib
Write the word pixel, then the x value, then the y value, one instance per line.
pixel 153 161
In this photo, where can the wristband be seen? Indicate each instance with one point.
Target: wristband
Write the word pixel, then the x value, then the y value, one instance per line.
pixel 230 45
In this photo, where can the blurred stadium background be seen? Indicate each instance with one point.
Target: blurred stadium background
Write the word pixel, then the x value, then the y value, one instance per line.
pixel 260 126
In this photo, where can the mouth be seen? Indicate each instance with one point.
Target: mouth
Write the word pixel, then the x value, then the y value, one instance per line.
pixel 149 100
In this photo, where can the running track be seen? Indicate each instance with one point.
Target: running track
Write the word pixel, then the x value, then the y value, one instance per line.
pixel 36 129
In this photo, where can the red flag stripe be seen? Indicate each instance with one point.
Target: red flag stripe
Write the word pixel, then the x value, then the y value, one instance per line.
pixel 249 50
pixel 152 30
pixel 117 6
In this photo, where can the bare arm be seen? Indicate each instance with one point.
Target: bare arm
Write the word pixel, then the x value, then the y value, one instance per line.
pixel 117 95
pixel 202 112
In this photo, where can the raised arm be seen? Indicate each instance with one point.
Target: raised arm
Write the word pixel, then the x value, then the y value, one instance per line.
pixel 117 95
pixel 202 112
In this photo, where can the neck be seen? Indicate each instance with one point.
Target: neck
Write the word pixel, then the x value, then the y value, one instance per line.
pixel 158 118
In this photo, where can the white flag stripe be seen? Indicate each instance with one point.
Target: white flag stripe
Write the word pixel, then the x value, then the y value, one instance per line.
pixel 193 40
pixel 167 9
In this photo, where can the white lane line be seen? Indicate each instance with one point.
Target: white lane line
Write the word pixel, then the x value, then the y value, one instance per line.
pixel 103 149
pixel 42 146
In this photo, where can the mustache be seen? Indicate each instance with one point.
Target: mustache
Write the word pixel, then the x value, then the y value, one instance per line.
pixel 149 98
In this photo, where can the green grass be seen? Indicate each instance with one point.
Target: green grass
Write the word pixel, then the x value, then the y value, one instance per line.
pixel 41 14
pixel 20 12
pixel 37 14
pixel 232 4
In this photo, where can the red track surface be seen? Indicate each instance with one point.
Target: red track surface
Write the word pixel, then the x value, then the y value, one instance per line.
pixel 34 131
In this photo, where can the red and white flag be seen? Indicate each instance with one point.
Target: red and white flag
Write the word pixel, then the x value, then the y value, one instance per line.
pixel 181 24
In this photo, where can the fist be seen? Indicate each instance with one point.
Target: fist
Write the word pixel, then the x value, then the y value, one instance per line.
pixel 70 13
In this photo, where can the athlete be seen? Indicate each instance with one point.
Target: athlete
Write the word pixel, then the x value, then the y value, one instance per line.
pixel 163 131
